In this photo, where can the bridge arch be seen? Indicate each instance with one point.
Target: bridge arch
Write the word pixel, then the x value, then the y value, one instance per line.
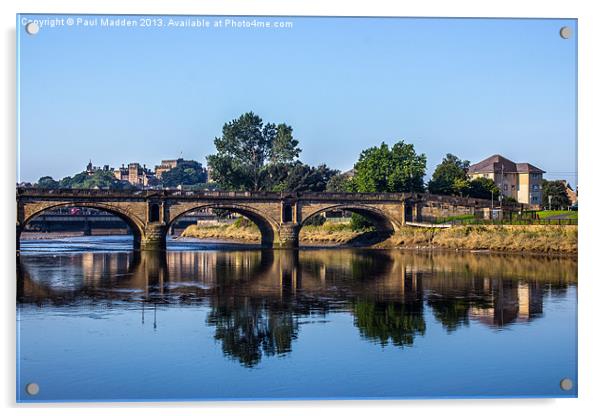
pixel 135 225
pixel 384 224
pixel 267 226
pixel 381 220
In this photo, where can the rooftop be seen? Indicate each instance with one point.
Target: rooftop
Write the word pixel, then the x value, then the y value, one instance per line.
pixel 497 163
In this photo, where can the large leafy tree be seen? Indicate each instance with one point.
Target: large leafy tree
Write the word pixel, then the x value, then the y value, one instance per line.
pixel 557 191
pixel 398 169
pixel 245 150
pixel 47 182
pixel 297 177
pixel 449 177
pixel 187 172
pixel 483 188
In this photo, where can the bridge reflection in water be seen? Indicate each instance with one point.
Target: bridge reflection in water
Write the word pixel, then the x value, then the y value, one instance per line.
pixel 258 297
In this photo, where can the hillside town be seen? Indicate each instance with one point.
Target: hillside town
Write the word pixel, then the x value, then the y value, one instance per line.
pixel 140 176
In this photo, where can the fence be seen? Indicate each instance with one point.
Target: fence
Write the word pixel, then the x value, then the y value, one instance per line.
pixel 514 221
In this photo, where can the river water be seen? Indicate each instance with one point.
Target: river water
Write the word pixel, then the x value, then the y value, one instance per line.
pixel 205 321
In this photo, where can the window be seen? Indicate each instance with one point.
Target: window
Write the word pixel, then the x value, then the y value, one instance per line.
pixel 505 187
pixel 536 187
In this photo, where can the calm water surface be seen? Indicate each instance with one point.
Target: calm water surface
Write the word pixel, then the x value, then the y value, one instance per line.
pixel 207 321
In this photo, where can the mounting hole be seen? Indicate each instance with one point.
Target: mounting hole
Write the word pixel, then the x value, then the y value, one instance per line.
pixel 565 32
pixel 32 389
pixel 32 28
pixel 566 384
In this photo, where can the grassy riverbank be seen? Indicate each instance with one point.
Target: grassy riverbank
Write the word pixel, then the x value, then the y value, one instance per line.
pixel 529 238
pixel 328 233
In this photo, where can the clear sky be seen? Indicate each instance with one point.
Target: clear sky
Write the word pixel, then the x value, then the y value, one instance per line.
pixel 472 87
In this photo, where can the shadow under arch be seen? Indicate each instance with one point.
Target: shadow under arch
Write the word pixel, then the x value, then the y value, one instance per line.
pixel 266 226
pixel 134 226
pixel 385 227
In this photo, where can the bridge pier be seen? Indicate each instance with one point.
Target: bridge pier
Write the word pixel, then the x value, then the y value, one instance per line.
pixel 18 246
pixel 153 237
pixel 288 235
pixel 417 212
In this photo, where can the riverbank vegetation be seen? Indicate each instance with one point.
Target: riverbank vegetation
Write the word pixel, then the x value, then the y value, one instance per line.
pixel 516 238
pixel 551 239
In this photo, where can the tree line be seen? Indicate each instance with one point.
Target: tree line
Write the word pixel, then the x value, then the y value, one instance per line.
pixel 255 156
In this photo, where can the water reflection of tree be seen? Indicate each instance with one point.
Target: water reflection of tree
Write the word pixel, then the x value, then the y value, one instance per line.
pixel 389 321
pixel 250 328
pixel 257 298
pixel 451 312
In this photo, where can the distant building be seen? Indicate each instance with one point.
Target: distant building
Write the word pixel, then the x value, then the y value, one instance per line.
pixel 521 181
pixel 135 174
pixel 210 175
pixel 349 174
pixel 91 169
pixel 165 166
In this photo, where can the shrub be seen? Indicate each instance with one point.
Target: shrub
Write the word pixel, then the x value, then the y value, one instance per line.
pixel 360 223
pixel 242 222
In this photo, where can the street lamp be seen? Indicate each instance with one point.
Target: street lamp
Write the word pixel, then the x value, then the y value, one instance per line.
pixel 549 202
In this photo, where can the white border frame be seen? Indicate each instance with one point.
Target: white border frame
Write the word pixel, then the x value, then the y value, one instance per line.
pixel 590 34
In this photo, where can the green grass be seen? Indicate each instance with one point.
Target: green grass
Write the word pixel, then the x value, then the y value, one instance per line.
pixel 572 215
pixel 465 217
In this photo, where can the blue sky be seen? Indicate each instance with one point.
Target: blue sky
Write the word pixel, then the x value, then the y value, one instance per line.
pixel 472 87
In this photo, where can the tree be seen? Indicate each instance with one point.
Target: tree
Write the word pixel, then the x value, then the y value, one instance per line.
pixel 360 223
pixel 284 146
pixel 297 177
pixel 99 179
pixel 340 183
pixel 399 169
pixel 187 172
pixel 449 177
pixel 556 190
pixel 246 147
pixel 47 182
pixel 461 186
pixel 482 188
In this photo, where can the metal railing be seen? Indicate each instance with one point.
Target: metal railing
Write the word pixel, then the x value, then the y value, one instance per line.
pixel 515 221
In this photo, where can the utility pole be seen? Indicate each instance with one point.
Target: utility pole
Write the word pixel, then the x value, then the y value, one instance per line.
pixel 502 190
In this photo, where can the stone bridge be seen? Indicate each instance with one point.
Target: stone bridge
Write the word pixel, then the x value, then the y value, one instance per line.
pixel 279 216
